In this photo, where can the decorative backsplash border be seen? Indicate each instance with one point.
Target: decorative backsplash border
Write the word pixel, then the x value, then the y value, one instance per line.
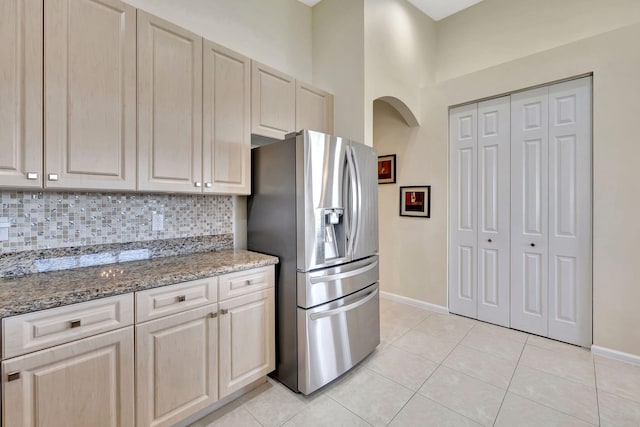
pixel 41 261
pixel 48 220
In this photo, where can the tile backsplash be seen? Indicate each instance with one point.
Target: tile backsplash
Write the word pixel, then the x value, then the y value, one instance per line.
pixel 45 220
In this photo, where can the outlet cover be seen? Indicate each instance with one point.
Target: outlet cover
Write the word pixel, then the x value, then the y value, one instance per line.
pixel 157 222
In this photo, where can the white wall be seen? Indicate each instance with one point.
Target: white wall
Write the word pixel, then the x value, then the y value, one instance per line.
pixel 338 61
pixel 497 31
pixel 274 32
pixel 505 45
pixel 614 59
pixel 399 48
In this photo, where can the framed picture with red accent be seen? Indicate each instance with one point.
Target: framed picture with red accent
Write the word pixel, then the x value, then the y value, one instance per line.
pixel 387 169
pixel 415 201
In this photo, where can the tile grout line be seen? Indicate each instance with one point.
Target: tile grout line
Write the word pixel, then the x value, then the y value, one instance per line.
pixel 545 405
pixel 427 379
pixel 595 378
pixel 452 410
pixel 348 410
pixel 510 380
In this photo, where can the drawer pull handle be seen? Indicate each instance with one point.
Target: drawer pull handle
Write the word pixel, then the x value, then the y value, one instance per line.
pixel 52 177
pixel 32 175
pixel 76 323
pixel 182 298
pixel 213 315
pixel 224 311
pixel 12 376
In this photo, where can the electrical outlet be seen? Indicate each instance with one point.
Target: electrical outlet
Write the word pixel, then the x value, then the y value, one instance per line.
pixel 157 222
pixel 4 228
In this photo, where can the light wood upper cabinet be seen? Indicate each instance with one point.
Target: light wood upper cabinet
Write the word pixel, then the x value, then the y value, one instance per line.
pixel 176 366
pixel 227 126
pixel 21 93
pixel 314 108
pixel 169 107
pixel 83 383
pixel 90 94
pixel 247 339
pixel 273 102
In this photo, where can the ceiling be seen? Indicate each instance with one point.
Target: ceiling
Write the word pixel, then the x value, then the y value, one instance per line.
pixel 436 9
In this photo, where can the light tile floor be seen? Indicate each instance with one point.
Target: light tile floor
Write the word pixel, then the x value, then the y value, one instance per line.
pixel 445 370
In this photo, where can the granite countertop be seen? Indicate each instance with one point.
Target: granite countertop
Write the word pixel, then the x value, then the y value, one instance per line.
pixel 40 291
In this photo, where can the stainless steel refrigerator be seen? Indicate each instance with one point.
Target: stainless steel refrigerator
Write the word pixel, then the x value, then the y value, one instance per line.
pixel 314 204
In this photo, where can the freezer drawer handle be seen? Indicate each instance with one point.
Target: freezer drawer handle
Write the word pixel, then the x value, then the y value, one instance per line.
pixel 343 275
pixel 366 299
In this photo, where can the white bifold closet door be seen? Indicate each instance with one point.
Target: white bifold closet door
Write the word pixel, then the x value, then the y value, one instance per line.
pixel 551 266
pixel 479 211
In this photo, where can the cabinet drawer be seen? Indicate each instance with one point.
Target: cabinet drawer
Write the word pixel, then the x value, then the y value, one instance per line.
pixel 172 299
pixel 35 331
pixel 243 282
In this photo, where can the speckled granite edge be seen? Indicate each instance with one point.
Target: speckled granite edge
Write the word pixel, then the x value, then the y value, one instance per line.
pixel 45 260
pixel 34 292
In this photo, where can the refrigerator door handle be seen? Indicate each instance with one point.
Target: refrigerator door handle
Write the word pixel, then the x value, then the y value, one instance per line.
pixel 344 275
pixel 358 303
pixel 354 195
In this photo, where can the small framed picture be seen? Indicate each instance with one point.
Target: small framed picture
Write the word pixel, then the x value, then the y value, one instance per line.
pixel 415 201
pixel 387 169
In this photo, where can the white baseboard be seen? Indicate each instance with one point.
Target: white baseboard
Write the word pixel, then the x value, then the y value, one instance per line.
pixel 615 354
pixel 414 302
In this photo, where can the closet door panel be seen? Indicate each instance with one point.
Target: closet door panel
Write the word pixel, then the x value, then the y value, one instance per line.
pixel 494 128
pixel 570 281
pixel 463 207
pixel 529 207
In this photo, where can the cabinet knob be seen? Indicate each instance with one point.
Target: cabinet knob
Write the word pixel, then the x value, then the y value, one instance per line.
pixel 489 240
pixel 181 298
pixel 52 177
pixel 75 323
pixel 533 245
pixel 197 184
pixel 224 311
pixel 213 315
pixel 32 175
pixel 12 376
pixel 208 184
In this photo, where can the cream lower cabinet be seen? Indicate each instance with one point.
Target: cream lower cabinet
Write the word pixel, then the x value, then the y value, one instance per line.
pixel 247 339
pixel 176 366
pixel 84 383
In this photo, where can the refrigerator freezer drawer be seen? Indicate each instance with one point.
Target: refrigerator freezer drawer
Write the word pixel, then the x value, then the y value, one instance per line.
pixel 334 337
pixel 319 287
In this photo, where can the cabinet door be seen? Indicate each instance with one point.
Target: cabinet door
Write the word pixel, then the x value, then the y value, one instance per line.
pixel 90 98
pixel 273 102
pixel 529 210
pixel 21 93
pixel 169 107
pixel 314 109
pixel 226 121
pixel 247 340
pixel 84 383
pixel 570 281
pixel 176 366
pixel 463 139
pixel 494 126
